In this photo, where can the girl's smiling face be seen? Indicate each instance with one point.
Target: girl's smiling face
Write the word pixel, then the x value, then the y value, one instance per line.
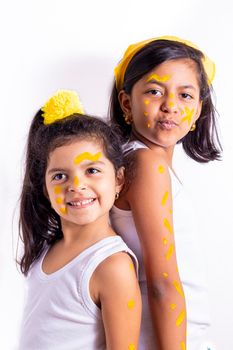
pixel 164 103
pixel 81 182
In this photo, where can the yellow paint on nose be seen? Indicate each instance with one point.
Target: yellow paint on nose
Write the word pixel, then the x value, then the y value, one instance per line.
pixel 161 169
pixel 171 104
pixel 158 78
pixel 168 225
pixel 146 102
pixel 180 318
pixel 87 156
pixel 59 200
pixel 165 197
pixel 170 252
pixel 177 285
pixel 171 95
pixel 57 189
pixel 130 304
pixel 76 181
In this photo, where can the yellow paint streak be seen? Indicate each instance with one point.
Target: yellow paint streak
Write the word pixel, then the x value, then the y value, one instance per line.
pixel 87 156
pixel 57 189
pixel 146 102
pixel 165 197
pixel 131 266
pixel 76 181
pixel 171 104
pixel 131 347
pixel 63 210
pixel 167 225
pixel 158 78
pixel 161 169
pixel 145 114
pixel 170 252
pixel 148 125
pixel 180 318
pixel 131 304
pixel 164 241
pixel 59 200
pixel 178 287
pixel 188 116
pixel 173 306
pixel 170 211
pixel 171 95
pixel 183 346
pixel 165 274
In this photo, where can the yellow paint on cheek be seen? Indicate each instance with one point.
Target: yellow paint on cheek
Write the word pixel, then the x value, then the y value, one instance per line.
pixel 178 288
pixel 87 156
pixel 131 347
pixel 165 274
pixel 148 125
pixel 158 78
pixel 169 252
pixel 168 225
pixel 76 181
pixel 145 114
pixel 164 241
pixel 146 102
pixel 130 304
pixel 57 189
pixel 63 210
pixel 188 116
pixel 183 346
pixel 180 318
pixel 161 169
pixel 173 306
pixel 59 200
pixel 165 197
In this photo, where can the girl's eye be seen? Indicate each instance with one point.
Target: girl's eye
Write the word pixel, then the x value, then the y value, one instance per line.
pixel 155 92
pixel 59 177
pixel 92 171
pixel 186 96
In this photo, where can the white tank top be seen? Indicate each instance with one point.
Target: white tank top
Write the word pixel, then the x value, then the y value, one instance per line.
pixel 189 258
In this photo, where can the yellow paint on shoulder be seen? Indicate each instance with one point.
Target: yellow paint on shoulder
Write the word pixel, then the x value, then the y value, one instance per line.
pixel 183 346
pixel 161 169
pixel 57 189
pixel 170 252
pixel 87 156
pixel 145 114
pixel 164 241
pixel 63 210
pixel 131 266
pixel 173 306
pixel 158 78
pixel 146 102
pixel 76 181
pixel 188 116
pixel 131 347
pixel 165 197
pixel 180 318
pixel 131 304
pixel 168 225
pixel 178 287
pixel 165 274
pixel 59 200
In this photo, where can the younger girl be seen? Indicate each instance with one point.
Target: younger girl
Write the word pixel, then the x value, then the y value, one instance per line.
pixel 82 287
pixel 162 97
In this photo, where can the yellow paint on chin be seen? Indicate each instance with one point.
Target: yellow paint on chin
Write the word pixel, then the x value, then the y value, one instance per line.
pixel 169 252
pixel 172 306
pixel 87 156
pixel 158 78
pixel 131 347
pixel 183 346
pixel 188 116
pixel 168 225
pixel 63 210
pixel 177 285
pixel 76 181
pixel 161 169
pixel 180 318
pixel 57 189
pixel 165 274
pixel 131 304
pixel 165 198
pixel 146 102
pixel 59 200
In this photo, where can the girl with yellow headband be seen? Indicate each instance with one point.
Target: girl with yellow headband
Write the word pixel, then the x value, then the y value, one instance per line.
pixel 161 97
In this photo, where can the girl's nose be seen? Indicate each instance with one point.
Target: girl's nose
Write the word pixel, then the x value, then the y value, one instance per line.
pixel 169 104
pixel 77 185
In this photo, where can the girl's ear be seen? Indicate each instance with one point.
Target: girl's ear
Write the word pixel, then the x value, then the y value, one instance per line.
pixel 45 192
pixel 198 113
pixel 125 102
pixel 120 179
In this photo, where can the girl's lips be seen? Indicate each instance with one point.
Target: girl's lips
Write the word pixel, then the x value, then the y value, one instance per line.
pixel 167 124
pixel 81 203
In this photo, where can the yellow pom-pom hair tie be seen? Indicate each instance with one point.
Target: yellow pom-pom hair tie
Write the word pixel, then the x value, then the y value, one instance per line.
pixel 120 69
pixel 61 105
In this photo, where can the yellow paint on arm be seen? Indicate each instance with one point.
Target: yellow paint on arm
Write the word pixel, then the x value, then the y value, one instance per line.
pixel 131 304
pixel 131 266
pixel 165 198
pixel 131 347
pixel 87 156
pixel 183 346
pixel 169 252
pixel 158 78
pixel 168 225
pixel 161 169
pixel 57 189
pixel 177 285
pixel 180 318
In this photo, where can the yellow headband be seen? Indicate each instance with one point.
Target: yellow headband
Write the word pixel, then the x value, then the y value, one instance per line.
pixel 120 69
pixel 61 105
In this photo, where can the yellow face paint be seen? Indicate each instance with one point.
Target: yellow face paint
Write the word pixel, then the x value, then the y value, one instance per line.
pixel 158 78
pixel 165 197
pixel 87 156
pixel 188 116
pixel 167 225
pixel 169 252
pixel 59 200
pixel 165 274
pixel 161 169
pixel 183 346
pixel 164 241
pixel 131 347
pixel 130 304
pixel 178 288
pixel 63 210
pixel 170 211
pixel 173 306
pixel 145 114
pixel 76 181
pixel 171 95
pixel 148 125
pixel 171 104
pixel 180 318
pixel 57 189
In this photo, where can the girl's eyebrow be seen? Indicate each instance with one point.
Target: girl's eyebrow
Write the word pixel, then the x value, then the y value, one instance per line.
pixel 54 170
pixel 83 164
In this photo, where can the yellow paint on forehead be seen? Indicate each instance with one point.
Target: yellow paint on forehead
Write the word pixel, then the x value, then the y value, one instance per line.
pixel 165 198
pixel 165 274
pixel 161 169
pixel 87 156
pixel 168 225
pixel 173 306
pixel 145 114
pixel 131 347
pixel 180 318
pixel 76 181
pixel 130 304
pixel 183 346
pixel 188 116
pixel 57 189
pixel 59 200
pixel 63 210
pixel 177 285
pixel 170 251
pixel 158 78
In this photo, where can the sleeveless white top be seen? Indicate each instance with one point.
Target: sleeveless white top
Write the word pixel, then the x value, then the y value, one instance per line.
pixel 59 313
pixel 189 258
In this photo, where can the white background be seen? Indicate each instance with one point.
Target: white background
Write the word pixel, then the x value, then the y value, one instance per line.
pixel 50 44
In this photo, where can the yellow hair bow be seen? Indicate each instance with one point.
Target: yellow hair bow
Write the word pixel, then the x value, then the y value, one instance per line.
pixel 120 69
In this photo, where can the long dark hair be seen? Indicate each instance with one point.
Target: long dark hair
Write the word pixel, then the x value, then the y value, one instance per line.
pixel 203 144
pixel 39 224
